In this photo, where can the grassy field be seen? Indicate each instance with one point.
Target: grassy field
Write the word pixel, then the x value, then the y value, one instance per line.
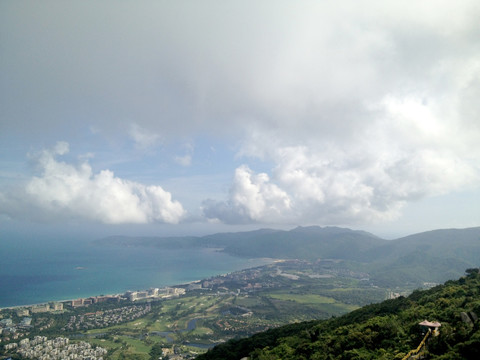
pixel 123 347
pixel 302 299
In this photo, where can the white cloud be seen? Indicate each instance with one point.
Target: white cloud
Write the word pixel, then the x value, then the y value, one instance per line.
pixel 143 138
pixel 67 191
pixel 408 153
pixel 367 110
pixel 253 198
pixel 186 159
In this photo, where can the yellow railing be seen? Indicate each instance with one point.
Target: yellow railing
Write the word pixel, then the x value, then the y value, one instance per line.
pixel 417 350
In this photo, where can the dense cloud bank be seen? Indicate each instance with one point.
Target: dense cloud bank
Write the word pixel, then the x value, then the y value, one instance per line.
pixel 353 109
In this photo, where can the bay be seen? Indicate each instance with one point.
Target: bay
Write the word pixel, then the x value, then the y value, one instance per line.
pixel 32 273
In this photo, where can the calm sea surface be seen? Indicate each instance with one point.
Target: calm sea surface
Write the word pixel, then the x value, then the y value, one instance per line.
pixel 34 272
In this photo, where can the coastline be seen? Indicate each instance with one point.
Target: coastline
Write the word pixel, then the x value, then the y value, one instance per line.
pixel 119 295
pixel 64 272
pixel 265 261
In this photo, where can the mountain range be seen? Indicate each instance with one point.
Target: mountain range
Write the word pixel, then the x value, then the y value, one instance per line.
pixel 427 257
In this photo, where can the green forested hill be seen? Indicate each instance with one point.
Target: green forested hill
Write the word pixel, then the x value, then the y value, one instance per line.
pixel 388 330
pixel 309 243
pixel 432 256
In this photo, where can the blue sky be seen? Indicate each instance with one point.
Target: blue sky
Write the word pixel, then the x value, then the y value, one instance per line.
pixel 162 117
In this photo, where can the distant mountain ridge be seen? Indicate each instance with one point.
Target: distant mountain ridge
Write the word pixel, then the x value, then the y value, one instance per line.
pixel 310 243
pixel 432 256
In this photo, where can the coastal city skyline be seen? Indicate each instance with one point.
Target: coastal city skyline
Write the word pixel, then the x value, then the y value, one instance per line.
pixel 187 119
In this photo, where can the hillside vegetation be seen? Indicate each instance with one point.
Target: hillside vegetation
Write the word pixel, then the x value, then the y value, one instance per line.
pixel 388 330
pixel 433 256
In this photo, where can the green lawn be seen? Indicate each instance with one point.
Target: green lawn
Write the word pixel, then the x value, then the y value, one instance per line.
pixel 302 298
pixel 136 344
pixel 199 331
pixel 161 324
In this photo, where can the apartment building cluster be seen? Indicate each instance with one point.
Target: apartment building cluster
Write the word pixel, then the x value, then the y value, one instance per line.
pixel 93 300
pixel 39 308
pixel 154 293
pixel 59 348
pixel 50 307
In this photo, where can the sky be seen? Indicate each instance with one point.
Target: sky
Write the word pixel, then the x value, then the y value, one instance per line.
pixel 195 117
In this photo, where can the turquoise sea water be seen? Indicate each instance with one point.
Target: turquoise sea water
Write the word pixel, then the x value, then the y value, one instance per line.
pixel 36 272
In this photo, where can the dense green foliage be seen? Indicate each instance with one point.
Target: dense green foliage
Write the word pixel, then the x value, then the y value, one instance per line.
pixel 387 330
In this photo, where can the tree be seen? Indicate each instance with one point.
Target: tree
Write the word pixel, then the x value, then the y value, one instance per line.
pixel 472 271
pixel 156 352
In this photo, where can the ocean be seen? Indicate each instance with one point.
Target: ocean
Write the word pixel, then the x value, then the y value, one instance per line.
pixel 37 272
